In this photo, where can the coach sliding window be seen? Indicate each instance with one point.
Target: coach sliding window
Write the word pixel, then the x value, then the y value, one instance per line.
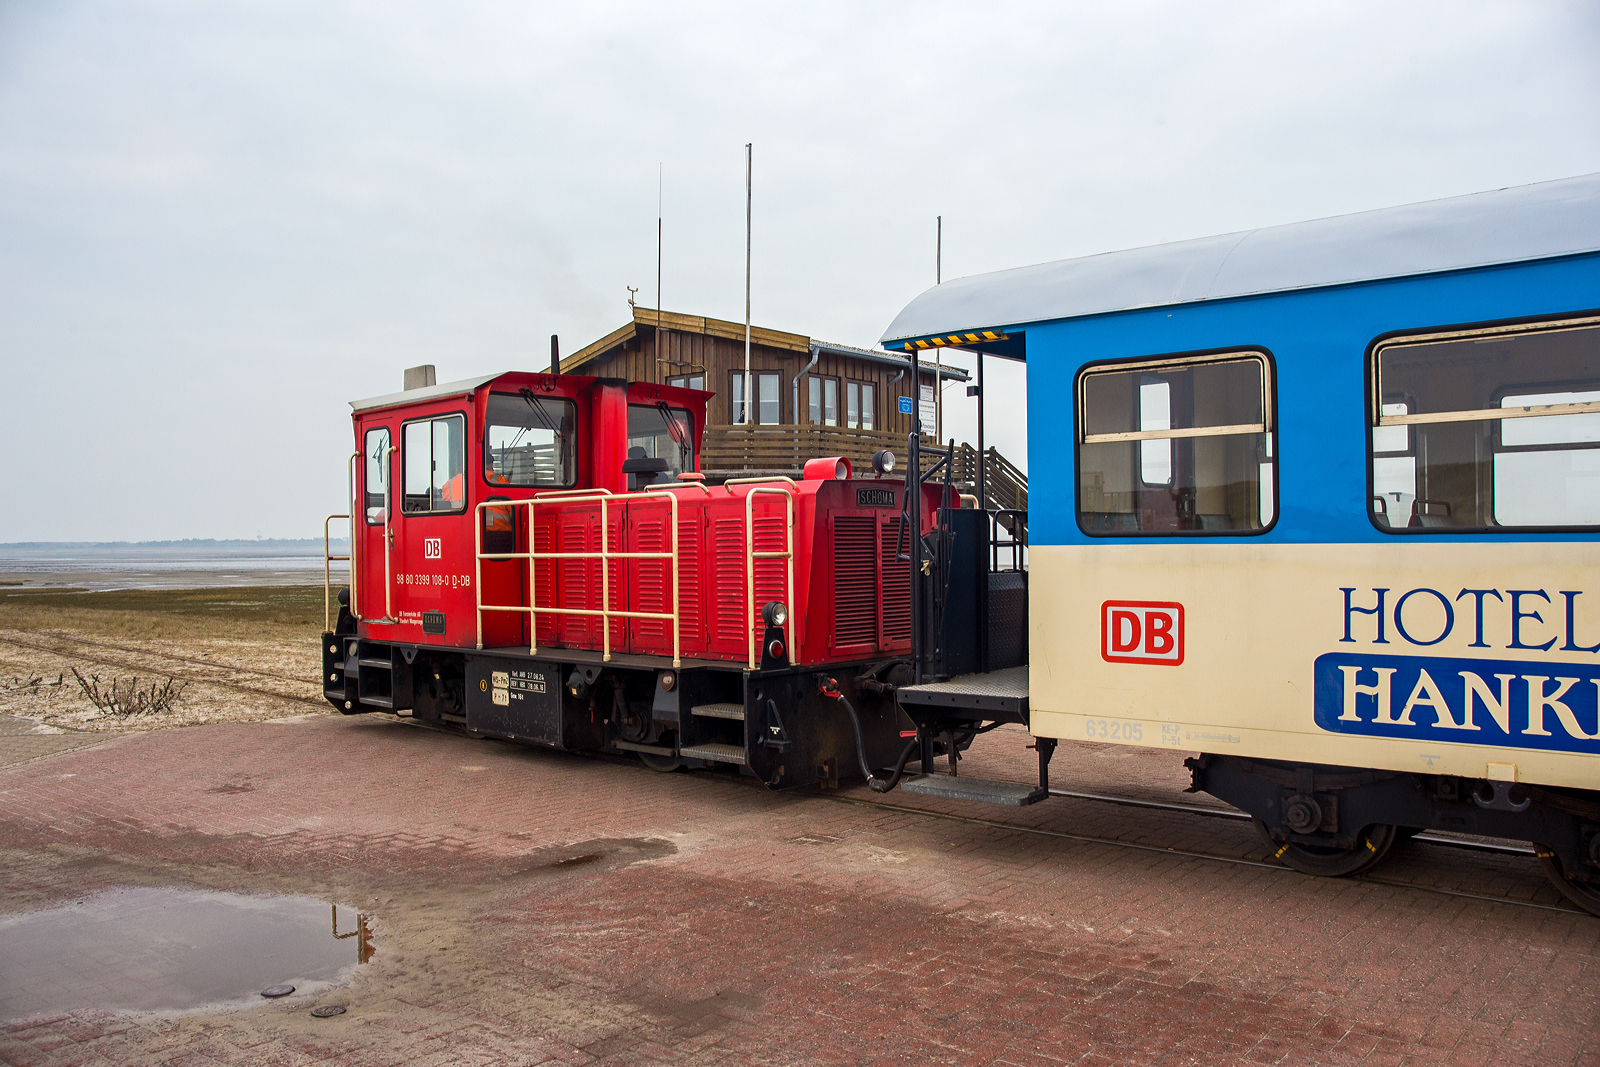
pixel 1177 446
pixel 1487 429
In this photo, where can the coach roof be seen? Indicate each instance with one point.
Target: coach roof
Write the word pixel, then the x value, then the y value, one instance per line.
pixel 1541 221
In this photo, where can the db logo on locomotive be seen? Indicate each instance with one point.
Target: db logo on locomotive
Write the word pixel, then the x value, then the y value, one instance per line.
pixel 1141 631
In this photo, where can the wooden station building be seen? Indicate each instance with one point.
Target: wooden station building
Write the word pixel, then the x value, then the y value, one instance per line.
pixel 811 398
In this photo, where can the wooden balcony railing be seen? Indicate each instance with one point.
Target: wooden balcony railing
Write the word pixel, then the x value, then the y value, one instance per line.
pixel 767 448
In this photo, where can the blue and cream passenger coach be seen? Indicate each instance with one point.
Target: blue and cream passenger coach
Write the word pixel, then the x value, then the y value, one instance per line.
pixel 1320 502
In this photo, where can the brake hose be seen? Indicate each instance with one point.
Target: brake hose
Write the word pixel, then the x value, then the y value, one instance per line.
pixel 830 689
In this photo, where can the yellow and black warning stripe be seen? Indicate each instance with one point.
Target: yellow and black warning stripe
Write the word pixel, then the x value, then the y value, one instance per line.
pixel 958 339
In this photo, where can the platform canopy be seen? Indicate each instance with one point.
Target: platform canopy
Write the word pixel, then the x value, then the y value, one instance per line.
pixel 986 311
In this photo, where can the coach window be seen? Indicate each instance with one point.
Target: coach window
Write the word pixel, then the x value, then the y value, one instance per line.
pixel 435 465
pixel 662 432
pixel 1488 429
pixel 529 440
pixel 1177 446
pixel 375 463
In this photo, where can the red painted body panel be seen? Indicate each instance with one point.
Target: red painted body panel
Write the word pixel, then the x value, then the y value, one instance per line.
pixel 841 606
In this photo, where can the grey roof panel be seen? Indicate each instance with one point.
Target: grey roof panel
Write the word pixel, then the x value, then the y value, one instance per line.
pixel 432 392
pixel 1540 221
pixel 892 359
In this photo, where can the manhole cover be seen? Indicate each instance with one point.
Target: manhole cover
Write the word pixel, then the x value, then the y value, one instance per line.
pixel 277 990
pixel 328 1011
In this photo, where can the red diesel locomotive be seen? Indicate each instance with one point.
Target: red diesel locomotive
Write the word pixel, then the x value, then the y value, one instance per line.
pixel 536 556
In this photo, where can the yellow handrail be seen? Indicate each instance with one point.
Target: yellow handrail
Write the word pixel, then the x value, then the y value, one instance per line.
pixel 605 556
pixel 751 555
pixel 327 581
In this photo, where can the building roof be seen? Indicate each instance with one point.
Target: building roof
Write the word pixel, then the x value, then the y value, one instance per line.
pixel 432 392
pixel 1541 221
pixel 650 318
pixel 892 359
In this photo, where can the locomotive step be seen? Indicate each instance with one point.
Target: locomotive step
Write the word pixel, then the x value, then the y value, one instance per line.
pixel 952 787
pixel 720 711
pixel 715 753
pixel 381 664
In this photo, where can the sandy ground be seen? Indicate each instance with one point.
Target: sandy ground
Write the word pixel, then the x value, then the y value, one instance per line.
pixel 239 655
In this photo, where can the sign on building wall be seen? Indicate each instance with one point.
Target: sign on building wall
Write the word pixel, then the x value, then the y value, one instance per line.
pixel 927 412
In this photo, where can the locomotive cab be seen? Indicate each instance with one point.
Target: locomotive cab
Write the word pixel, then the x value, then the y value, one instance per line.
pixel 538 557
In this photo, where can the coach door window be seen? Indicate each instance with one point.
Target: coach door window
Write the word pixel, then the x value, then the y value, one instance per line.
pixel 530 440
pixel 375 475
pixel 435 465
pixel 1487 429
pixel 1176 446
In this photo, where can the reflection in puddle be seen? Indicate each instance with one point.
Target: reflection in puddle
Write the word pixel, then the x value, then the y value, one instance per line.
pixel 142 949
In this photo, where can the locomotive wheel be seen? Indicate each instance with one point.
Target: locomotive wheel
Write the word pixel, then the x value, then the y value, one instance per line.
pixel 1325 862
pixel 1585 895
pixel 664 764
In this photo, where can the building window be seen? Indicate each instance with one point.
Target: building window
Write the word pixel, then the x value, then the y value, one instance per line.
pixel 375 460
pixel 860 406
pixel 688 381
pixel 1487 429
pixel 1177 446
pixel 530 440
pixel 768 397
pixel 823 393
pixel 435 463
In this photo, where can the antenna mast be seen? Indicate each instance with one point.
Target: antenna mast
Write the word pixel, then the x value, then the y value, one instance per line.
pixel 749 400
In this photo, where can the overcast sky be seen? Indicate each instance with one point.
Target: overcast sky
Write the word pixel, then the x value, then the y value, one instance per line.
pixel 221 222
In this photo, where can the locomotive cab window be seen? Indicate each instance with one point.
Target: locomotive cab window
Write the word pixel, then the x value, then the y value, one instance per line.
pixel 1177 446
pixel 375 467
pixel 1487 429
pixel 661 432
pixel 435 464
pixel 529 440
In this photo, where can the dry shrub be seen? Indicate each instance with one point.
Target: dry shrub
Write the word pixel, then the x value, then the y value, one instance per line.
pixel 124 698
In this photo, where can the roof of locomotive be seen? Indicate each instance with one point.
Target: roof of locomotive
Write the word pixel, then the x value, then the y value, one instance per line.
pixel 1528 222
pixel 446 389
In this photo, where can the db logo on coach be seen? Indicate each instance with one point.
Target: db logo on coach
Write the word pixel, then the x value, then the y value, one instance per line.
pixel 430 548
pixel 1141 631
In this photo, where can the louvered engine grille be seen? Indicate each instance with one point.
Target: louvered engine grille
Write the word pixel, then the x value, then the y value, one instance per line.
pixel 855 580
pixel 896 599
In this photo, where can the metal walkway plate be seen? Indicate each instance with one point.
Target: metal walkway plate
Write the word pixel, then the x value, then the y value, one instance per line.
pixel 1001 691
pixel 951 787
pixel 715 753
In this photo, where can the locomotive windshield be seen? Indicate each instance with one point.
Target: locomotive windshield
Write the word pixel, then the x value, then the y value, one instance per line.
pixel 663 432
pixel 1488 429
pixel 1176 446
pixel 530 440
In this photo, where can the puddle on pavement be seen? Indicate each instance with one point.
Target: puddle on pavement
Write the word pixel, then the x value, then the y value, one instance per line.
pixel 153 949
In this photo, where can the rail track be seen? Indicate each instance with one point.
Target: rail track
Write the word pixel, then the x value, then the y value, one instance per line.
pixel 183 674
pixel 1099 798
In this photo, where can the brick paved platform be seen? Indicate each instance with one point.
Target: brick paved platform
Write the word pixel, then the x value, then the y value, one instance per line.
pixel 22 740
pixel 534 907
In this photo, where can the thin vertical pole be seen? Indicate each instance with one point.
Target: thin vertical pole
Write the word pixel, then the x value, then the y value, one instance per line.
pixel 749 399
pixel 660 355
pixel 938 353
pixel 983 490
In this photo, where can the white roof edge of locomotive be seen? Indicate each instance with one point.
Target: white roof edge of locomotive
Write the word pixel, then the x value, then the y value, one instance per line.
pixel 1528 222
pixel 432 392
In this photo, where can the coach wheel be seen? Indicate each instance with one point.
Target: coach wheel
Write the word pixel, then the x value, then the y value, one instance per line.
pixel 1372 845
pixel 1584 894
pixel 664 764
